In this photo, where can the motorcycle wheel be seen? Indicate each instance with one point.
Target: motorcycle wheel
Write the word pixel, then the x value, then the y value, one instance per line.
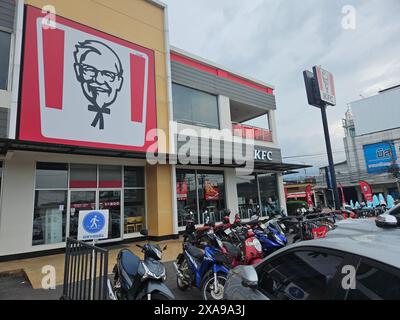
pixel 179 282
pixel 207 287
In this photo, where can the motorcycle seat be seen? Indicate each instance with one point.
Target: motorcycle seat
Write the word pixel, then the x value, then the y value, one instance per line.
pixel 129 262
pixel 195 252
pixel 233 251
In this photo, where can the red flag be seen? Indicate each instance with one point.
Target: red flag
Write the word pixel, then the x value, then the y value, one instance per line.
pixel 309 196
pixel 342 191
pixel 366 190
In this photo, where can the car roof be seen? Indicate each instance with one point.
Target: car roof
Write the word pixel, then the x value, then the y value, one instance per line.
pixel 360 237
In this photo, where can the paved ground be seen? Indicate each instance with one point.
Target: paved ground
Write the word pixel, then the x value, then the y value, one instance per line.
pixel 16 287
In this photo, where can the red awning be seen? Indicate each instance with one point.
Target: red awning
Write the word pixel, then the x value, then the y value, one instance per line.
pixel 296 195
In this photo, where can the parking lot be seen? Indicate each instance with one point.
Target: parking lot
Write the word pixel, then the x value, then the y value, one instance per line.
pixel 17 287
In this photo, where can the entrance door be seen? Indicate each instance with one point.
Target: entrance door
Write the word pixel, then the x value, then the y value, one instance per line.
pixel 80 201
pixel 111 200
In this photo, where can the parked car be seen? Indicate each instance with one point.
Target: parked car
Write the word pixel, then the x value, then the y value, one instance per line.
pixel 323 269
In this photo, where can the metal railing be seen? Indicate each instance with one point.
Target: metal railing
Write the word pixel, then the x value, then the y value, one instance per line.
pixel 85 272
pixel 253 133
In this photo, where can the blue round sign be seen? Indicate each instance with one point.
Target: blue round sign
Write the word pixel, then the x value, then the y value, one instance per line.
pixel 94 222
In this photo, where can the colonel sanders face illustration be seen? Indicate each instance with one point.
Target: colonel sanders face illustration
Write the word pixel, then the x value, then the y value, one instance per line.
pixel 99 71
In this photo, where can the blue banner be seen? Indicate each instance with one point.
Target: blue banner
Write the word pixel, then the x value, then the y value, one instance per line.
pixel 379 157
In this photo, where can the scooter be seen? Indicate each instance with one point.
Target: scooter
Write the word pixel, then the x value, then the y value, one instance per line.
pixel 204 269
pixel 140 280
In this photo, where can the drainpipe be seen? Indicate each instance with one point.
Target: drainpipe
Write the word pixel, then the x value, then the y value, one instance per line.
pixel 171 133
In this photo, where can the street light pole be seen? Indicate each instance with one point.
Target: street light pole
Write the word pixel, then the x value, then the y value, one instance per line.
pixel 330 158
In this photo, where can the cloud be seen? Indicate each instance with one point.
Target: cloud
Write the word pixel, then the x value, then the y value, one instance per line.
pixel 274 41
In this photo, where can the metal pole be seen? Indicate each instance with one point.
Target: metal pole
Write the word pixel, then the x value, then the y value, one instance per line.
pixel 336 198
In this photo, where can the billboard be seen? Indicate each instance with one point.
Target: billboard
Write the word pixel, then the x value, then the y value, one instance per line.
pixel 83 87
pixel 326 86
pixel 379 157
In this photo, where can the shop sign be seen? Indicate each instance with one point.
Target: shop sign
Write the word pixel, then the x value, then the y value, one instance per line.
pixel 262 155
pixel 83 87
pixel 93 225
pixel 326 86
pixel 379 157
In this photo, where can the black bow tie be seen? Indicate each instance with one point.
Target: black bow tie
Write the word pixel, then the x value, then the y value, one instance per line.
pixel 99 116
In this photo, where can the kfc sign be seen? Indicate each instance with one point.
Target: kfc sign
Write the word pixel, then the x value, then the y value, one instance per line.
pixel 326 86
pixel 86 88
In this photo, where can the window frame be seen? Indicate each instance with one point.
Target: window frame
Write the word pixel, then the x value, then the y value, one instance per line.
pixel 198 123
pixel 97 190
pixel 348 259
pixel 10 58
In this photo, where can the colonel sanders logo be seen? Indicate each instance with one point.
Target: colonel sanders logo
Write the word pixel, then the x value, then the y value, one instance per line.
pixel 99 71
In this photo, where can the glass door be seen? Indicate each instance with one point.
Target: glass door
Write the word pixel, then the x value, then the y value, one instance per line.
pixel 79 201
pixel 111 200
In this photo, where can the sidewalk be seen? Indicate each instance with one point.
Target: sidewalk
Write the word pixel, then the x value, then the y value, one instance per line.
pixel 33 267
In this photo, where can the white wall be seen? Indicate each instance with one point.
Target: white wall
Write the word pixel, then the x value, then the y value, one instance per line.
pixel 377 113
pixel 17 201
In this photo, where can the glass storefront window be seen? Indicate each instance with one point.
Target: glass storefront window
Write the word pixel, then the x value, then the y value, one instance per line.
pixel 134 177
pixel 211 190
pixel 247 190
pixel 83 176
pixel 110 177
pixel 269 194
pixel 51 176
pixel 49 217
pixel 186 195
pixel 195 107
pixel 135 210
pixel 52 211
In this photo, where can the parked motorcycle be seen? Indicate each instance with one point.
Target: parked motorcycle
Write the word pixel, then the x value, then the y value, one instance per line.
pixel 136 279
pixel 205 269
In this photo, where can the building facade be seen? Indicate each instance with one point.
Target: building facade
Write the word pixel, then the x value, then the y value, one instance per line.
pixel 89 94
pixel 372 147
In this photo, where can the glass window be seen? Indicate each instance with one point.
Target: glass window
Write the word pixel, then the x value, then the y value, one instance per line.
pixel 51 175
pixel 134 177
pixel 5 41
pixel 195 107
pixel 301 275
pixel 211 190
pixel 83 176
pixel 186 195
pixel 49 217
pixel 110 177
pixel 269 194
pixel 135 210
pixel 375 283
pixel 247 195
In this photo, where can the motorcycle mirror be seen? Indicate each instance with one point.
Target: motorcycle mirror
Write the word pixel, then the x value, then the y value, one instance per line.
pixel 144 232
pixel 249 277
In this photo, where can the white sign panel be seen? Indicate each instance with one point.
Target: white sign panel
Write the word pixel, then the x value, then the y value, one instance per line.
pixel 93 225
pixel 326 86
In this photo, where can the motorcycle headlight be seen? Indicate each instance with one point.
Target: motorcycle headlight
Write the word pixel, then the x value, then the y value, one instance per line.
pixel 150 275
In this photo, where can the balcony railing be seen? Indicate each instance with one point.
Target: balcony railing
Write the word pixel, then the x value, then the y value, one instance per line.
pixel 253 133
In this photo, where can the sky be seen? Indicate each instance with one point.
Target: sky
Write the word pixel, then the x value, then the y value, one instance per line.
pixel 276 40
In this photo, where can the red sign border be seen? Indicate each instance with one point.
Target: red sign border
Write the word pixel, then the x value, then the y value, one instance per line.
pixel 29 122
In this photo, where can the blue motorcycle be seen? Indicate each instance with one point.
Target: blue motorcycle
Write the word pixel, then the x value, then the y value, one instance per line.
pixel 271 237
pixel 204 269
